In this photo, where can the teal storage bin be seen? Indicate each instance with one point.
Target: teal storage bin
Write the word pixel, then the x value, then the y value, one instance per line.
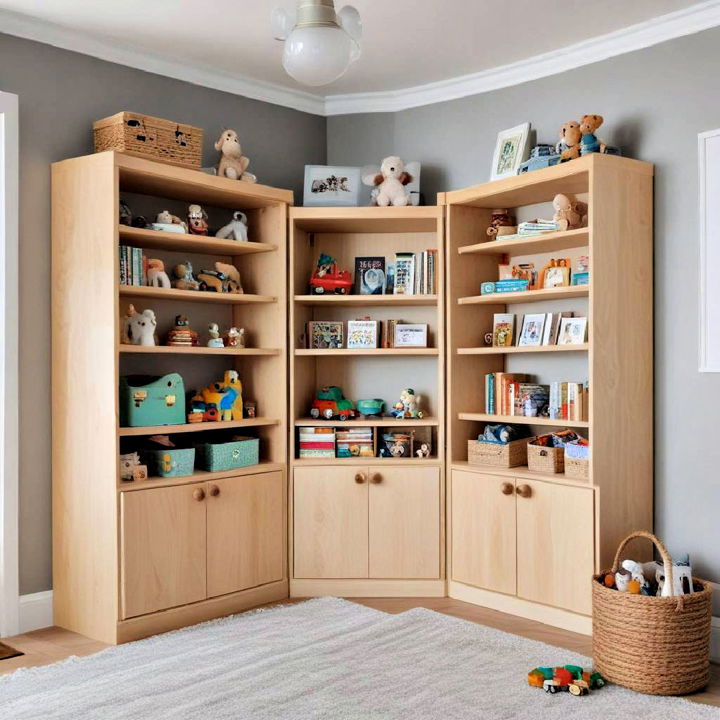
pixel 146 401
pixel 171 462
pixel 217 456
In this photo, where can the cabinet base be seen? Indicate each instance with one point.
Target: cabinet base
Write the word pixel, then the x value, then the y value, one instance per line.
pixel 367 588
pixel 522 608
pixel 174 618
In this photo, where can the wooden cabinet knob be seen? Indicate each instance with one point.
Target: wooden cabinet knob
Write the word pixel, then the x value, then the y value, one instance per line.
pixel 360 478
pixel 508 488
pixel 214 490
pixel 376 478
pixel 198 494
pixel 524 491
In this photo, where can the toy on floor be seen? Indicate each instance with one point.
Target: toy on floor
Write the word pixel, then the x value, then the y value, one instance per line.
pixel 236 229
pixel 326 278
pixel 184 278
pixel 570 678
pixel 390 183
pixel 181 335
pixel 233 164
pixel 197 220
pixel 408 406
pixel 214 341
pixel 330 403
pixel 156 275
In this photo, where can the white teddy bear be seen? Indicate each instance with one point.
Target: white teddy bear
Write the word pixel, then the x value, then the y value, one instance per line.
pixel 390 183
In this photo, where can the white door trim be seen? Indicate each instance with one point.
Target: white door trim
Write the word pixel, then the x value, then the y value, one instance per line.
pixel 9 485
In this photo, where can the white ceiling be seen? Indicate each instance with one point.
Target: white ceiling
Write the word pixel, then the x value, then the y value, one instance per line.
pixel 406 43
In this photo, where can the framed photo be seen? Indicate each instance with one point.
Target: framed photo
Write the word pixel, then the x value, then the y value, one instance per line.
pixel 332 185
pixel 362 334
pixel 503 329
pixel 325 335
pixel 572 331
pixel 512 149
pixel 556 273
pixel 370 276
pixel 531 333
pixel 407 335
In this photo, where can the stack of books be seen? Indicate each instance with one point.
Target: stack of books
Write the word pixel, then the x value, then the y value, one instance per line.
pixel 415 274
pixel 132 266
pixel 569 401
pixel 536 227
pixel 317 442
pixel 355 442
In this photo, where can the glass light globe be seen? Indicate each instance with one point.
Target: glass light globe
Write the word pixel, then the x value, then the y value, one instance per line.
pixel 317 55
pixel 349 19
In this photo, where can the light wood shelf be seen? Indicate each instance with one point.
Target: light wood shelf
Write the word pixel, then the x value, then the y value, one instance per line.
pixel 545 243
pixel 515 350
pixel 200 350
pixel 409 219
pixel 506 298
pixel 521 420
pixel 155 293
pixel 368 422
pixel 185 242
pixel 369 352
pixel 371 461
pixel 197 427
pixel 367 300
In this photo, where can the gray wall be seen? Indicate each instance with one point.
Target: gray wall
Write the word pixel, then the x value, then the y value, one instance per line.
pixel 61 94
pixel 654 101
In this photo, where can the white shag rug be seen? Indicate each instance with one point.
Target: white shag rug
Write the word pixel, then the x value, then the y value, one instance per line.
pixel 324 658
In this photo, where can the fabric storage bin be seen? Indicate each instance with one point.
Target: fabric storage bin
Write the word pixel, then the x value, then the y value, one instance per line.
pixel 171 462
pixel 506 455
pixel 151 400
pixel 150 137
pixel 546 459
pixel 217 456
pixel 654 645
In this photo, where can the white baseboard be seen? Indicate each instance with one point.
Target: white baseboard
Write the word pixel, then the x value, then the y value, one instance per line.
pixel 715 640
pixel 36 611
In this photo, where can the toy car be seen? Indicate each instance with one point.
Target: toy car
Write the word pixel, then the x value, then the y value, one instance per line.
pixel 331 403
pixel 328 279
pixel 552 686
pixel 579 687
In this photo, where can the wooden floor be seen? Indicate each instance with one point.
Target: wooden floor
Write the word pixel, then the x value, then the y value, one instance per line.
pixel 52 644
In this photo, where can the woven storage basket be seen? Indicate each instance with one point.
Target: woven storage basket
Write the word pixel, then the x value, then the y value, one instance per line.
pixel 172 462
pixel 654 645
pixel 577 468
pixel 541 458
pixel 150 137
pixel 510 455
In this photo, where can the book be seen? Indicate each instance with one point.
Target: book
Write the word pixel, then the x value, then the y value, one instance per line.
pixel 324 334
pixel 503 329
pixel 404 283
pixel 362 334
pixel 370 276
pixel 316 442
pixel 534 399
pixel 407 335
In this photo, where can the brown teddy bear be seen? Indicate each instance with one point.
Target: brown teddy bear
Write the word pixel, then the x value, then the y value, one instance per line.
pixel 589 142
pixel 570 137
pixel 569 214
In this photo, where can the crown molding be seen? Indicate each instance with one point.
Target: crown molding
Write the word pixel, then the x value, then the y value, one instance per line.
pixel 686 21
pixel 30 28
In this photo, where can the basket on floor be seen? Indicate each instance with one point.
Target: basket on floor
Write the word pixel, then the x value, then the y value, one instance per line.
pixel 654 645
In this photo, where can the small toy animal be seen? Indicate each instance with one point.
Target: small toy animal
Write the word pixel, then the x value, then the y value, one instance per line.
pixel 167 218
pixel 232 275
pixel 236 229
pixel 408 406
pixel 569 214
pixel 589 142
pixel 197 220
pixel 233 163
pixel 141 328
pixel 156 275
pixel 181 335
pixel 214 334
pixel 184 278
pixel 682 578
pixel 390 183
pixel 569 145
pixel 235 337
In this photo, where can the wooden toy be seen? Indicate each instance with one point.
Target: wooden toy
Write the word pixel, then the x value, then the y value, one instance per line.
pixel 408 407
pixel 563 677
pixel 156 275
pixel 595 681
pixel 571 678
pixel 575 670
pixel 197 220
pixel 552 686
pixel 579 687
pixel 236 229
pixel 326 278
pixel 141 327
pixel 330 403
pixel 181 335
pixel 184 278
pixel 152 400
pixel 235 337
pixel 214 334
pixel 536 678
pixel 499 218
pixel 233 164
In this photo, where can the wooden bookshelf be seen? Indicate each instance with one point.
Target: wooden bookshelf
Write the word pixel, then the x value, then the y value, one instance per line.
pixel 521 574
pixel 367 555
pixel 135 558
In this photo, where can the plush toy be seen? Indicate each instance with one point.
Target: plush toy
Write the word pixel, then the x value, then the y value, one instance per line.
pixel 499 218
pixel 197 220
pixel 232 282
pixel 181 335
pixel 141 328
pixel 214 334
pixel 184 278
pixel 682 577
pixel 235 337
pixel 156 275
pixel 408 406
pixel 589 142
pixel 390 183
pixel 498 433
pixel 569 214
pixel 232 162
pixel 569 145
pixel 236 229
pixel 167 218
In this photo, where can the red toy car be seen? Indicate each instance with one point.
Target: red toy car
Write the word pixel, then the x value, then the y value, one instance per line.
pixel 328 279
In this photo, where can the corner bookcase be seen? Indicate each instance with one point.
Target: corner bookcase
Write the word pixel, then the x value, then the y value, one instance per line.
pixel 526 542
pixel 134 558
pixel 366 526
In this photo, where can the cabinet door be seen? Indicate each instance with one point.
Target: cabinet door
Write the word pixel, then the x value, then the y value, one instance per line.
pixel 162 548
pixel 555 544
pixel 331 522
pixel 245 538
pixel 483 531
pixel 404 522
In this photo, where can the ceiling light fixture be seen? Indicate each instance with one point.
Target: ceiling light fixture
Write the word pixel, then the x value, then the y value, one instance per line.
pixel 320 44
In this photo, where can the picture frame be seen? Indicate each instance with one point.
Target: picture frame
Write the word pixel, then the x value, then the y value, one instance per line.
pixel 573 331
pixel 332 185
pixel 362 334
pixel 556 273
pixel 325 335
pixel 531 332
pixel 411 335
pixel 511 150
pixel 370 277
pixel 503 329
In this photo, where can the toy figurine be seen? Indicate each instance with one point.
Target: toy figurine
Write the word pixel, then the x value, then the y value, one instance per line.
pixel 197 220
pixel 131 468
pixel 126 215
pixel 232 278
pixel 233 163
pixel 423 451
pixel 214 333
pixel 125 325
pixel 156 275
pixel 139 221
pixel 235 337
pixel 327 278
pixel 236 229
pixel 181 335
pixel 184 278
pixel 140 327
pixel 500 218
pixel 167 218
pixel 250 409
pixel 197 410
pixel 408 406
pixel 226 396
pixel 330 403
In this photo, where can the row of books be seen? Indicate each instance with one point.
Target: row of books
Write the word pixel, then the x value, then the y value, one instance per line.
pixel 363 334
pixel 515 395
pixel 133 266
pixel 416 274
